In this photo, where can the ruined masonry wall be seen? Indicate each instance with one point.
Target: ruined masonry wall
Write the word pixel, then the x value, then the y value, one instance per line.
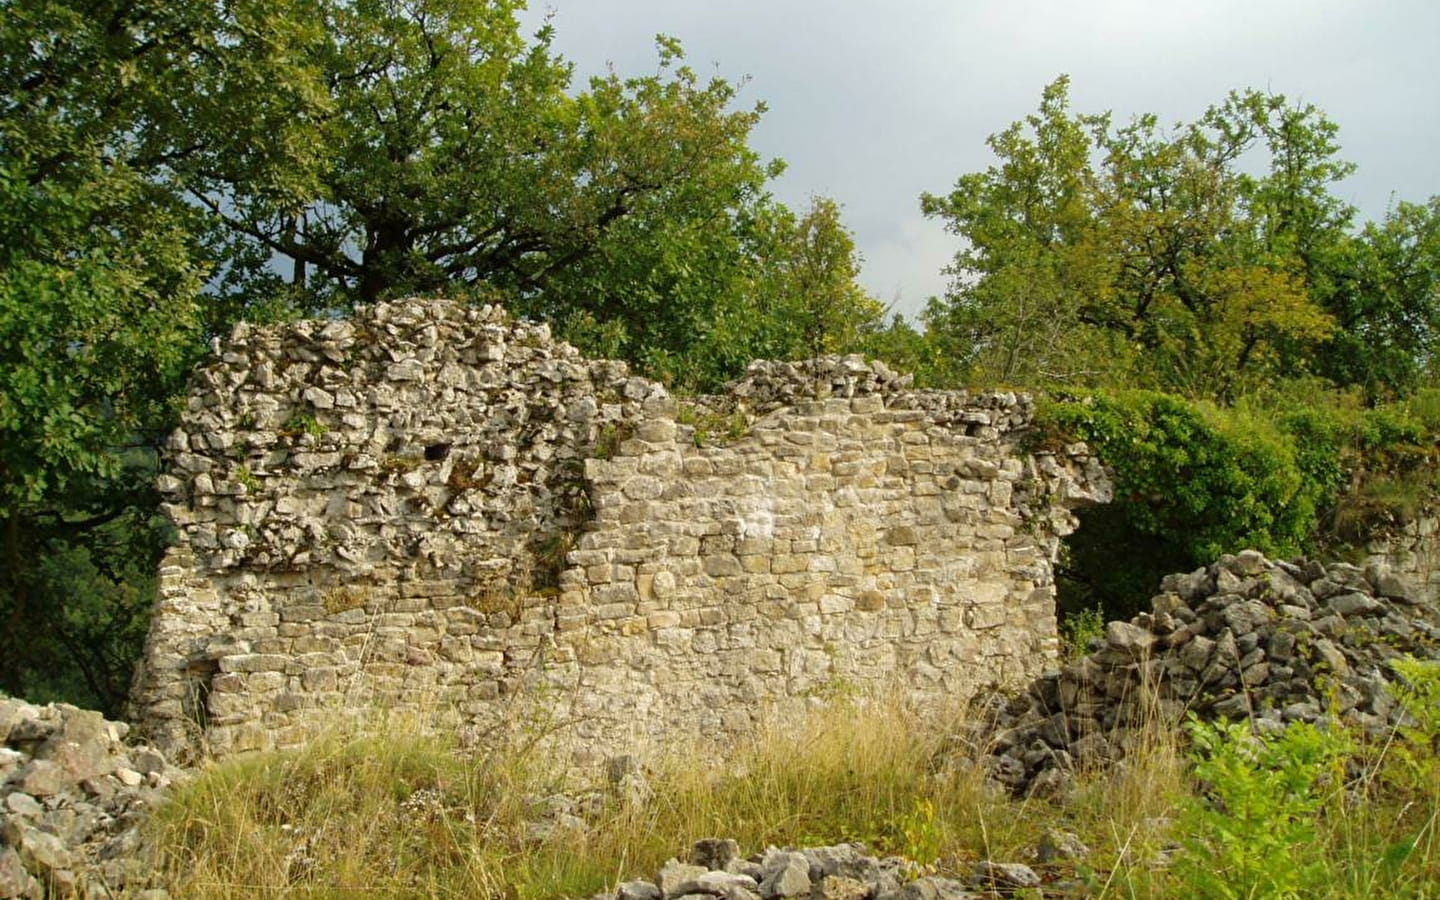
pixel 1412 550
pixel 431 507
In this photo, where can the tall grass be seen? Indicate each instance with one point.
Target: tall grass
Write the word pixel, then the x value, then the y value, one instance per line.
pixel 400 811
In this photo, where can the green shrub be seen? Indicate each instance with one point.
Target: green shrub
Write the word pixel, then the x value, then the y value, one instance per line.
pixel 1254 835
pixel 1210 480
pixel 1192 481
pixel 1078 628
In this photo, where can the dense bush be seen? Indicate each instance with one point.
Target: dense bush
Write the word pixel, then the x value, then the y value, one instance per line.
pixel 1288 473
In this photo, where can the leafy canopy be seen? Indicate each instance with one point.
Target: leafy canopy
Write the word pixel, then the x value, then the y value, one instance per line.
pixel 1143 257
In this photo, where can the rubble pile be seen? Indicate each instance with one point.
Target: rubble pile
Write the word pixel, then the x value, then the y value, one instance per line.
pixel 72 798
pixel 840 872
pixel 1245 638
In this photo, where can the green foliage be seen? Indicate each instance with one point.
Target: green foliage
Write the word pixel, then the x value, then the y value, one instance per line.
pixel 247 478
pixel 324 818
pixel 1079 628
pixel 1253 834
pixel 168 169
pixel 923 832
pixel 1210 480
pixel 807 272
pixel 1419 694
pixel 99 274
pixel 430 148
pixel 1285 472
pixel 712 425
pixel 79 608
pixel 302 423
pixel 1136 256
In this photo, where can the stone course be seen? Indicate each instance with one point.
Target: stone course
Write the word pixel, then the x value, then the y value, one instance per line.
pixel 432 507
pixel 1246 638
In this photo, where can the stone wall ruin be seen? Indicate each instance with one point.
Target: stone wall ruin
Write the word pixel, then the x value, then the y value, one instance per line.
pixel 430 506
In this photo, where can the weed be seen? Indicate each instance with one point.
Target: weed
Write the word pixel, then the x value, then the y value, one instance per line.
pixel 1078 629
pixel 302 423
pixel 609 439
pixel 501 599
pixel 246 478
pixel 402 812
pixel 400 463
pixel 708 423
pixel 550 555
pixel 465 475
pixel 1254 833
pixel 924 839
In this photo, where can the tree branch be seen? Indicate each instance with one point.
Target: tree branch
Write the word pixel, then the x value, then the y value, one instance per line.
pixel 335 267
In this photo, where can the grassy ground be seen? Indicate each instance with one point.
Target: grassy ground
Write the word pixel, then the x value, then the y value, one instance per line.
pixel 393 813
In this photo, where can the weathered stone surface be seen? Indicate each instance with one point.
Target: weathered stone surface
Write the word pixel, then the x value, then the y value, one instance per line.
pixel 61 817
pixel 638 890
pixel 14 880
pixel 714 853
pixel 1057 845
pixel 932 887
pixel 1249 651
pixel 440 498
pixel 1004 876
pixel 674 877
pixel 787 874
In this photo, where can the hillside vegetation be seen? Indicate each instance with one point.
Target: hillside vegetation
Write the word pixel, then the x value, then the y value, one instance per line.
pixel 1193 299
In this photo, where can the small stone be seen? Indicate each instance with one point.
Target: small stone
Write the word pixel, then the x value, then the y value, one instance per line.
pixel 1130 639
pixel 1255 674
pixel 41 851
pixel 787 874
pixel 933 887
pixel 1004 876
pixel 99 788
pixel 1281 646
pixel 1196 654
pixel 637 890
pixel 1354 604
pixel 1235 706
pixel 1055 844
pixel 1331 657
pixel 838 887
pixel 1192 588
pixel 674 874
pixel 24 805
pixel 1246 616
pixel 14 880
pixel 1092 749
pixel 146 760
pixel 719 883
pixel 740 866
pixel 714 853
pixel 41 778
pixel 848 860
pixel 1392 586
pixel 1051 784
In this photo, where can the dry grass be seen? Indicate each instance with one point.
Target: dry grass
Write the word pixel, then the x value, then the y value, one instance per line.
pixel 399 812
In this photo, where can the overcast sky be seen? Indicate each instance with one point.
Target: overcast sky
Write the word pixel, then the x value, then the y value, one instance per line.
pixel 874 101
